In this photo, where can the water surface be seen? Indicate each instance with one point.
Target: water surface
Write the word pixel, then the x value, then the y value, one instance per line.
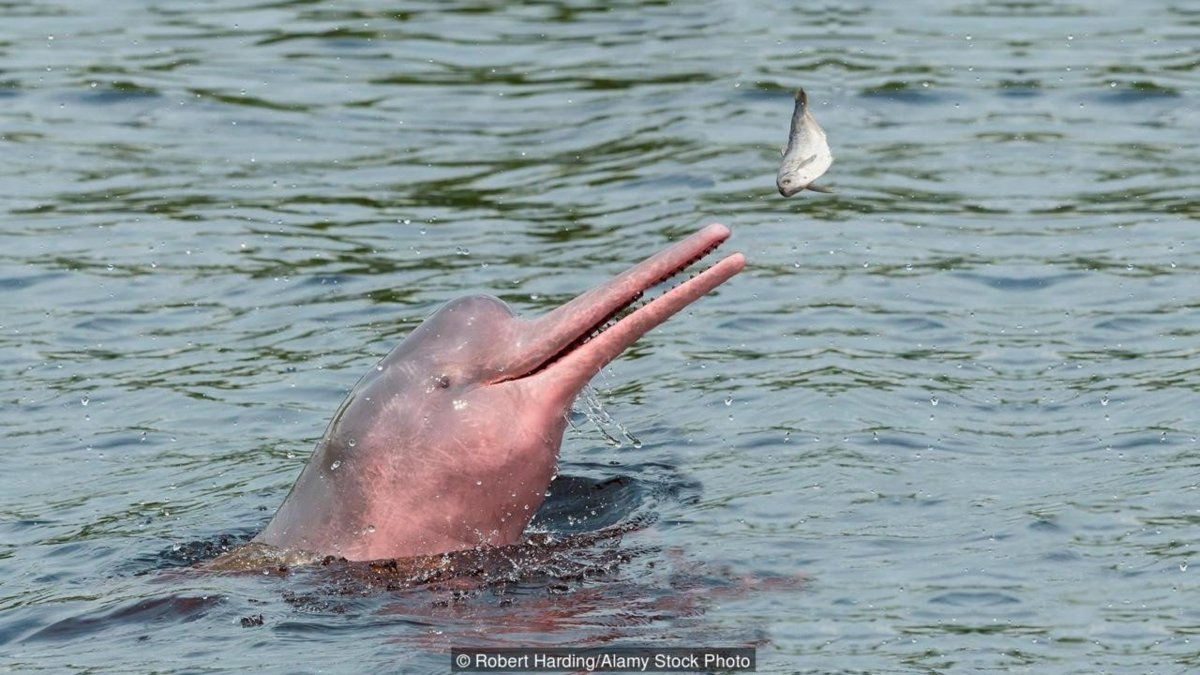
pixel 956 397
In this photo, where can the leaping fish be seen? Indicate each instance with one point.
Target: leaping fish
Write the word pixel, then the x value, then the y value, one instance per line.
pixel 807 154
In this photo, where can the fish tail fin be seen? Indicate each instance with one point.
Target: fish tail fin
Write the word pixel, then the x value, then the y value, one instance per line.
pixel 821 188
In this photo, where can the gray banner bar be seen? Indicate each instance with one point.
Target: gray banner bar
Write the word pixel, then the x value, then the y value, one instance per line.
pixel 604 660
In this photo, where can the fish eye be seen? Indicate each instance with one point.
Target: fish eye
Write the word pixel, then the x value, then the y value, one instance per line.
pixel 787 181
pixel 443 381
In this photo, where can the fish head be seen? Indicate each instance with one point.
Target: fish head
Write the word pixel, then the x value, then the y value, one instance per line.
pixel 802 166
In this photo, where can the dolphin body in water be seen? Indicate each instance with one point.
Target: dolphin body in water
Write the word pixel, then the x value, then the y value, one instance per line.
pixel 450 442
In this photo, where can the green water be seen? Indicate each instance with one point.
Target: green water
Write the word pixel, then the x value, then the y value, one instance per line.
pixel 957 397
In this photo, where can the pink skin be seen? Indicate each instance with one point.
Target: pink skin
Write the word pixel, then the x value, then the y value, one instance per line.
pixel 451 441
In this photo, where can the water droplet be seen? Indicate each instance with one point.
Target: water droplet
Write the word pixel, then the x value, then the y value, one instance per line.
pixel 370 529
pixel 352 442
pixel 1104 400
pixel 1183 566
pixel 728 399
pixel 335 465
pixel 85 400
pixel 933 400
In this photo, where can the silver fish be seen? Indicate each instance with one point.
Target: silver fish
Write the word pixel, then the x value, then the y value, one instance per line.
pixel 807 154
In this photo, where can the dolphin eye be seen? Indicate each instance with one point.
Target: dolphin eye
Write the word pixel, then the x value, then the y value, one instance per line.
pixel 443 381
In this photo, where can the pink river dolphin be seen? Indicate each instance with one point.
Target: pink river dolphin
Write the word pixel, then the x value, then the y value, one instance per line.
pixel 450 442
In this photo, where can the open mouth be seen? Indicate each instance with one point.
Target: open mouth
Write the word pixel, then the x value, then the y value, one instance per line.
pixel 598 325
pixel 633 304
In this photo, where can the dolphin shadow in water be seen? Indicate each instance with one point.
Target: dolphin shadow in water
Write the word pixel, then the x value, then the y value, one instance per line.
pixel 451 441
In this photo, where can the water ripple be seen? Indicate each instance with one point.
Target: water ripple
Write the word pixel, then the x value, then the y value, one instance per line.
pixel 957 392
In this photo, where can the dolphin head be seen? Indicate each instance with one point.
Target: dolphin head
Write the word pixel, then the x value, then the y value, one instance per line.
pixel 451 441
